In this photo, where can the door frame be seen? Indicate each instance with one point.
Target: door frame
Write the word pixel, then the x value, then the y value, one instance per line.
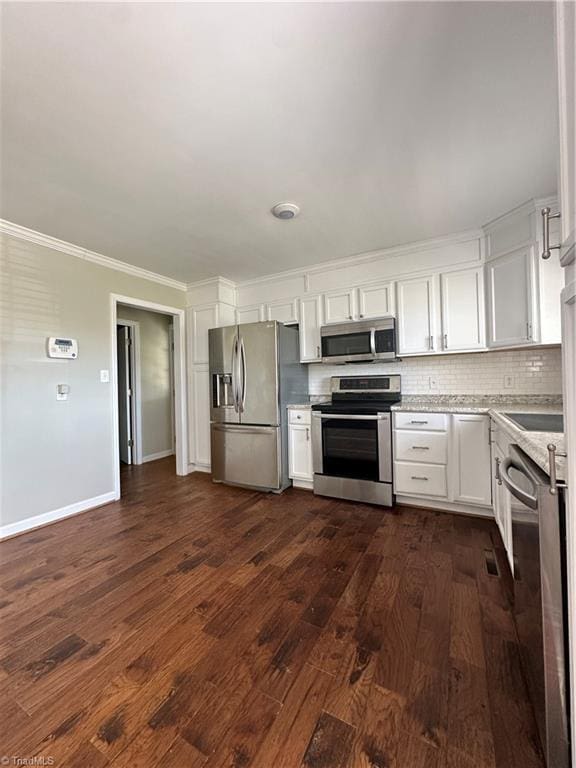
pixel 180 420
pixel 136 400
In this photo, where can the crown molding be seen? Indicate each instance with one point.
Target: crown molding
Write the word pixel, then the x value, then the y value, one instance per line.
pixel 527 207
pixel 369 256
pixel 23 233
pixel 211 281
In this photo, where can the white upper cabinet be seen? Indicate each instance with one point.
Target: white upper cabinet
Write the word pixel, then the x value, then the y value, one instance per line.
pixel 310 322
pixel 376 300
pixel 463 313
pixel 284 311
pixel 339 306
pixel 250 314
pixel 201 320
pixel 416 315
pixel 509 279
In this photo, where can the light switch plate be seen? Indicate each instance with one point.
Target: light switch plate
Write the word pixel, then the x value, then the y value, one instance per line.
pixel 104 376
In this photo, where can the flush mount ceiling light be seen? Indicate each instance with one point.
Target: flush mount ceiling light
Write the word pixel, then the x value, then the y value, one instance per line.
pixel 285 210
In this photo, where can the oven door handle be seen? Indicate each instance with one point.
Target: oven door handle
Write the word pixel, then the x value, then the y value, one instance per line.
pixel 375 417
pixel 518 493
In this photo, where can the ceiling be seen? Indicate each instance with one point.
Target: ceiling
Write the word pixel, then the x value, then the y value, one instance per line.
pixel 162 134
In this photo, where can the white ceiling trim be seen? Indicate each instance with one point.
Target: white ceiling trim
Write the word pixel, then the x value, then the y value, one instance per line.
pixel 361 258
pixel 23 233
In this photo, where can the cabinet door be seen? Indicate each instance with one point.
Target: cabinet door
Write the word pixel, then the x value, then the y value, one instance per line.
pixel 201 384
pixel 471 476
pixel 250 314
pixel 310 322
pixel 509 280
pixel 202 319
pixel 284 311
pixel 463 311
pixel 376 300
pixel 339 306
pixel 300 453
pixel 416 315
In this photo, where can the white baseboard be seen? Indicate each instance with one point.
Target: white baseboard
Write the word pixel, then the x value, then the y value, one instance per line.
pixel 156 456
pixel 199 468
pixel 305 485
pixel 445 506
pixel 13 529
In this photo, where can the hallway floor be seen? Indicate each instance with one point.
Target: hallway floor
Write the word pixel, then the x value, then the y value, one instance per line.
pixel 193 624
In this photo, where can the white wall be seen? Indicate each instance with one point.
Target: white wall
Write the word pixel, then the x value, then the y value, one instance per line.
pixel 57 454
pixel 155 379
pixel 534 371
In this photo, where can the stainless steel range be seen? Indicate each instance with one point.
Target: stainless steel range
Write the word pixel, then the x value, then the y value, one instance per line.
pixel 352 439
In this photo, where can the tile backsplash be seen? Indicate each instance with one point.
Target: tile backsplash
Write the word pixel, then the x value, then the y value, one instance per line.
pixel 533 371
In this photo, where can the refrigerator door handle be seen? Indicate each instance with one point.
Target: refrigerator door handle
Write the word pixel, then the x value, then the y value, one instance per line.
pixel 243 364
pixel 235 372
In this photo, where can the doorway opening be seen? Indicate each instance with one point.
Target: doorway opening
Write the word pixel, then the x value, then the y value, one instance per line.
pixel 148 385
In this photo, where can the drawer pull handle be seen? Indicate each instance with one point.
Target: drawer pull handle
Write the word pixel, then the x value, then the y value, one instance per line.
pixel 420 448
pixel 415 477
pixel 414 421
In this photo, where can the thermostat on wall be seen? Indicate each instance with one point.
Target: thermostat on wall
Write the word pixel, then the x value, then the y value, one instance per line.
pixel 59 347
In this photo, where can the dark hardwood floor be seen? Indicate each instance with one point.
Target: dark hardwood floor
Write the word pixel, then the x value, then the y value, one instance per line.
pixel 194 624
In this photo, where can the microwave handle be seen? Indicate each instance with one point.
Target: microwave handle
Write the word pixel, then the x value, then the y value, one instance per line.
pixel 373 340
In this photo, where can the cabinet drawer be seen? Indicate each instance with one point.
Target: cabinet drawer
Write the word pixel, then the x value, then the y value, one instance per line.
pixel 437 422
pixel 422 479
pixel 431 447
pixel 299 417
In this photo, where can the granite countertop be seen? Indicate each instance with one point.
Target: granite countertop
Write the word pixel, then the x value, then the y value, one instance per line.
pixel 309 403
pixel 535 444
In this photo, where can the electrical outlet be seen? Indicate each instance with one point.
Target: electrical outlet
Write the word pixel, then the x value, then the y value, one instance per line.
pixel 432 383
pixel 104 376
pixel 508 382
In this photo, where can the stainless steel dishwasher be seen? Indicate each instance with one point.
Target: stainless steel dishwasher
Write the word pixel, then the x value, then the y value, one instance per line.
pixel 540 604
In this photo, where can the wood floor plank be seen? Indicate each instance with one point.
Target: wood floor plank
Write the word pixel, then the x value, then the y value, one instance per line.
pixel 330 744
pixel 197 624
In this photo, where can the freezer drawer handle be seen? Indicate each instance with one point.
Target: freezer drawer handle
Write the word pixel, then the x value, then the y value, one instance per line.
pixel 241 428
pixel 415 421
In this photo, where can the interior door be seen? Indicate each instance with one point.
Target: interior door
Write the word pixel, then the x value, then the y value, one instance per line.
pixel 124 394
pixel 258 374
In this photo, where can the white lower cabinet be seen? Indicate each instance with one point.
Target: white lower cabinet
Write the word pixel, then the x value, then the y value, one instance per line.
pixel 417 479
pixel 201 394
pixel 443 456
pixel 299 447
pixel 471 480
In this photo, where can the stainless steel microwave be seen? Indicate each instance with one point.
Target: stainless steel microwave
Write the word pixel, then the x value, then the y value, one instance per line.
pixel 358 342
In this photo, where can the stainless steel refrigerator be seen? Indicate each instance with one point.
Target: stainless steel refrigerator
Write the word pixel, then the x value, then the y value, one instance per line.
pixel 255 373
